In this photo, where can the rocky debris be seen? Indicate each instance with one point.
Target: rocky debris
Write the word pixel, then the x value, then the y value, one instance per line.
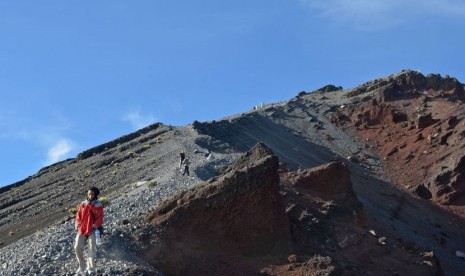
pixel 423 192
pixel 409 84
pixel 205 226
pixel 316 198
pixel 332 178
pixel 316 265
pixel 329 88
pixel 154 130
pixel 424 120
pixel 448 187
pixel 59 186
pixel 405 109
pixel 292 259
pixel 239 213
pixel 49 250
pixel 376 114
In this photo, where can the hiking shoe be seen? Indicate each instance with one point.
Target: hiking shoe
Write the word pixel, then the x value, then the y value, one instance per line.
pixel 90 272
pixel 80 272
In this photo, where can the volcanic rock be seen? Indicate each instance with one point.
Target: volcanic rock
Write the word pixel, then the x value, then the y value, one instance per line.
pixel 332 178
pixel 424 120
pixel 329 88
pixel 240 212
pixel 448 187
pixel 404 109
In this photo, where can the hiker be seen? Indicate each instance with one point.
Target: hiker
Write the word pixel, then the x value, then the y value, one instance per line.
pixel 182 155
pixel 89 218
pixel 186 166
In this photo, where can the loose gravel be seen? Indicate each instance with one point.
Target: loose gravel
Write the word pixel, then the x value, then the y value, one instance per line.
pixel 51 250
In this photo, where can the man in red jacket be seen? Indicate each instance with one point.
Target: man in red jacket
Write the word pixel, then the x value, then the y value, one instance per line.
pixel 89 217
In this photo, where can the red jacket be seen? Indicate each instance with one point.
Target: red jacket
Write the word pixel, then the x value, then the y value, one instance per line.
pixel 89 216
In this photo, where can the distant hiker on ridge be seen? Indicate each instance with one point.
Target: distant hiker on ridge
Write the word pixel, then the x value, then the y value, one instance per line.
pixel 186 167
pixel 89 221
pixel 182 155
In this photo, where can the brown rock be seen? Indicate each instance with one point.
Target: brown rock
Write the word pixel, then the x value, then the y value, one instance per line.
pixel 292 259
pixel 332 178
pixel 240 212
pixel 424 120
pixel 447 187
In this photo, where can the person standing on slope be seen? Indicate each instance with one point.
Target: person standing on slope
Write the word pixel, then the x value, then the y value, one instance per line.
pixel 186 166
pixel 182 156
pixel 89 218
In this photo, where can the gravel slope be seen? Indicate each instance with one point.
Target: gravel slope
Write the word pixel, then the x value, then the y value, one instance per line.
pixel 50 251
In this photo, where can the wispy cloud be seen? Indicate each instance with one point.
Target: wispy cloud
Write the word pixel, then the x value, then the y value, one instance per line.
pixel 373 15
pixel 59 150
pixel 46 135
pixel 139 120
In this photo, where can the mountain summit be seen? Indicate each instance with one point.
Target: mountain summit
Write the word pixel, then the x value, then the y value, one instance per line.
pixel 367 180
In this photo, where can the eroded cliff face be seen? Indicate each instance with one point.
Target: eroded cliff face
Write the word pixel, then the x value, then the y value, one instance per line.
pixel 416 124
pixel 254 219
pixel 238 213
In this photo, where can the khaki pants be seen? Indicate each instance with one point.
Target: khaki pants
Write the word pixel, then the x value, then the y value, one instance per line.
pixel 79 249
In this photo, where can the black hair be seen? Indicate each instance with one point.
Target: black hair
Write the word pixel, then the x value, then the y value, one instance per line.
pixel 96 191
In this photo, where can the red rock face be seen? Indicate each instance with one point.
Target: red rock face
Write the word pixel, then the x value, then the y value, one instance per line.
pixel 331 179
pixel 417 125
pixel 252 220
pixel 239 213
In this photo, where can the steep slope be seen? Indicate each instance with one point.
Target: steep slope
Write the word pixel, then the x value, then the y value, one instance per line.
pixel 157 177
pixel 365 126
pixel 240 213
pixel 253 219
pixel 416 124
pixel 25 206
pixel 314 128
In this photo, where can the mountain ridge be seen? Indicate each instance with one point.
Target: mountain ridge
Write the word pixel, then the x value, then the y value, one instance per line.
pixel 309 130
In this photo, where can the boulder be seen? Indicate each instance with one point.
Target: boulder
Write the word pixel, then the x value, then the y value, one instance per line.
pixel 329 88
pixel 332 178
pixel 448 186
pixel 424 120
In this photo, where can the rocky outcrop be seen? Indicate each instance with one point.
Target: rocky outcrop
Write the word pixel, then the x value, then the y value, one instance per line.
pixel 329 88
pixel 239 213
pixel 156 129
pixel 448 186
pixel 424 120
pixel 415 123
pixel 317 198
pixel 329 182
pixel 408 84
pixel 331 179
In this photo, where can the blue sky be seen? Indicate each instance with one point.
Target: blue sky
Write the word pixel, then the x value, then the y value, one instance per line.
pixel 76 74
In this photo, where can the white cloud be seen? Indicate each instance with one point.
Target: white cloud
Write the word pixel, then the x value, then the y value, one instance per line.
pixel 374 15
pixel 41 133
pixel 139 120
pixel 59 150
